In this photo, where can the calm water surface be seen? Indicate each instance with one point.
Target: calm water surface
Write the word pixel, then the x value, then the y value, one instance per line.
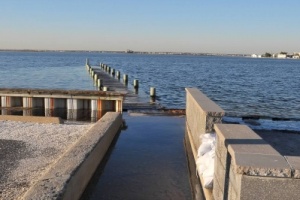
pixel 148 161
pixel 268 88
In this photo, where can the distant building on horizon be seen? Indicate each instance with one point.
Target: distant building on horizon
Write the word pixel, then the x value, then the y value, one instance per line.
pixel 128 51
pixel 255 56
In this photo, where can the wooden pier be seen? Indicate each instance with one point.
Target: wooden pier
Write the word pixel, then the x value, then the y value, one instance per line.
pixel 112 94
pixel 110 79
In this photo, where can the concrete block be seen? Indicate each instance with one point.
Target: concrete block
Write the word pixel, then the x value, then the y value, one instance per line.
pixel 232 194
pixel 294 162
pixel 221 150
pixel 234 182
pixel 229 132
pixel 266 188
pixel 201 114
pixel 217 190
pixel 219 179
pixel 250 153
pixel 261 165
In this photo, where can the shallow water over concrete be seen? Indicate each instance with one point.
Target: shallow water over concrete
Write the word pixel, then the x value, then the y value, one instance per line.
pixel 148 161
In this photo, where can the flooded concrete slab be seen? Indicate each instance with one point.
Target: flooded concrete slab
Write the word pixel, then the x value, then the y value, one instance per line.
pixel 147 162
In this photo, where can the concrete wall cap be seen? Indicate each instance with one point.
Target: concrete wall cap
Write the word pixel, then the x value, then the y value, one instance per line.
pixel 250 153
pixel 207 105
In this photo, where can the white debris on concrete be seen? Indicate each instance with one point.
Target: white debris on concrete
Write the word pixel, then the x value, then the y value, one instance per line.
pixel 205 158
pixel 44 144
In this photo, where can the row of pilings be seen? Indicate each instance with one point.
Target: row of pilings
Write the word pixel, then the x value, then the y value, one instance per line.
pixel 115 74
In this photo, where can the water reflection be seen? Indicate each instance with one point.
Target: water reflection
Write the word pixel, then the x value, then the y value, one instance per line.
pixel 66 114
pixel 147 162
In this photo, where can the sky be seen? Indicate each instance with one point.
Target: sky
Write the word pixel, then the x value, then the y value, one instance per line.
pixel 211 26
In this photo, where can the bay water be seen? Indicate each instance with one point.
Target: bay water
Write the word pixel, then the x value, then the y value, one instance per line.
pixel 265 89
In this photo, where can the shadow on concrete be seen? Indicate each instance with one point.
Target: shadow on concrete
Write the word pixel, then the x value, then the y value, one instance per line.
pixel 285 142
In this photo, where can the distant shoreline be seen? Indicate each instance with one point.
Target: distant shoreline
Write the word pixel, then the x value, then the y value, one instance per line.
pixel 124 52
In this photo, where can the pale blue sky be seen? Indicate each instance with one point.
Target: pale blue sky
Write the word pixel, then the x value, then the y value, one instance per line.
pixel 228 26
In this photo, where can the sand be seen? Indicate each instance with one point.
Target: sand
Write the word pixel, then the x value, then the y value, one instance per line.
pixel 28 149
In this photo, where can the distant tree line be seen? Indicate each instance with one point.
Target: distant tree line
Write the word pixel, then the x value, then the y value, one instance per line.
pixel 267 55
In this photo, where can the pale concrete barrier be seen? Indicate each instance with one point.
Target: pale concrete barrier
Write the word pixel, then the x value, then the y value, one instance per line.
pixel 69 176
pixel 247 167
pixel 201 115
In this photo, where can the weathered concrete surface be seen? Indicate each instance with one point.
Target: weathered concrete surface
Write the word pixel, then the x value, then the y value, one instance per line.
pixel 254 187
pixel 201 115
pixel 252 155
pixel 248 167
pixel 287 144
pixel 69 176
pixel 45 120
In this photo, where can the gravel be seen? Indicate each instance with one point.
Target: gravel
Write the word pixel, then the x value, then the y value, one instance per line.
pixel 28 149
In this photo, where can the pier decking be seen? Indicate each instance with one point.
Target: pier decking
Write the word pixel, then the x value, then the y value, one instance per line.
pixel 111 79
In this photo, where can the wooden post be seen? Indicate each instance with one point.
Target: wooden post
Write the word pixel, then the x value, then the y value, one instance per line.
pixel 125 78
pixel 136 83
pixel 152 92
pixel 99 82
pixel 118 74
pixel 113 72
pixel 105 88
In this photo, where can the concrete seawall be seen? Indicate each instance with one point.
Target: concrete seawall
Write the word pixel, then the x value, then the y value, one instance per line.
pixel 245 165
pixel 201 115
pixel 68 177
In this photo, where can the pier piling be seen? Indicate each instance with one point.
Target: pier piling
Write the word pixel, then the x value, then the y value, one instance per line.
pixel 118 74
pixel 99 82
pixel 105 88
pixel 125 78
pixel 136 83
pixel 113 72
pixel 152 92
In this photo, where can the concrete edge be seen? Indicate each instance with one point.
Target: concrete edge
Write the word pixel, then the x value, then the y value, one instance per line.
pixel 34 119
pixel 207 192
pixel 69 176
pixel 204 103
pixel 251 155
